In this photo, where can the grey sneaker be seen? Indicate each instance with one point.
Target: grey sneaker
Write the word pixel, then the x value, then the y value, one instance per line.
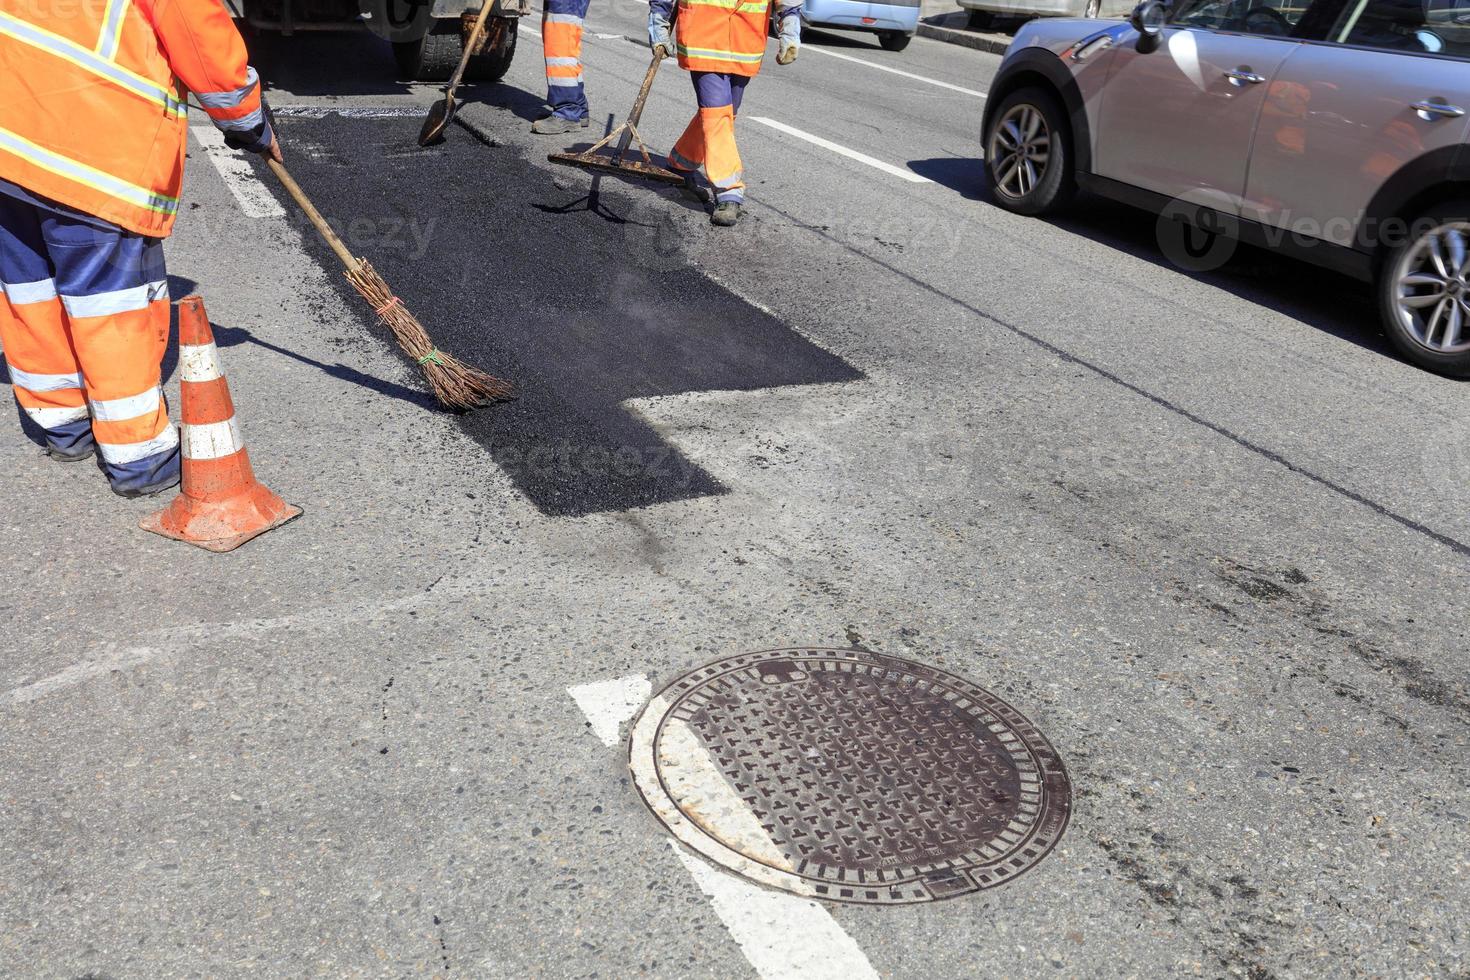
pixel 556 125
pixel 726 214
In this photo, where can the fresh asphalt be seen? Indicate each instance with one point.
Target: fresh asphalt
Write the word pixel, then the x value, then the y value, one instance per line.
pixel 1203 529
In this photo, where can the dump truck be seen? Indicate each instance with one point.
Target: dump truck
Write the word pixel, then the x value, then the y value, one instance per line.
pixel 428 36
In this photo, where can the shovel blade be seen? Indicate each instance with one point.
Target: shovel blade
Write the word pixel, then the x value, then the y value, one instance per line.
pixel 438 120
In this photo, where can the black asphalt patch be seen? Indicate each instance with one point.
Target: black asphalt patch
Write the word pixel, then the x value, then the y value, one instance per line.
pixel 582 308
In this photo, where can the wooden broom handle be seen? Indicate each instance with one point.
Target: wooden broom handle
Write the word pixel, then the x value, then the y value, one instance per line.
pixel 322 228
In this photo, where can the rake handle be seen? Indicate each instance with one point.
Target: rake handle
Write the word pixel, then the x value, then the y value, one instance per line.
pixel 322 228
pixel 637 111
pixel 475 34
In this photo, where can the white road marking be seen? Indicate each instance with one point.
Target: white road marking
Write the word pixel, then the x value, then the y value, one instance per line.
pixel 783 936
pixel 607 704
pixel 348 112
pixel 531 29
pixel 254 199
pixel 895 71
pixel 77 674
pixel 838 148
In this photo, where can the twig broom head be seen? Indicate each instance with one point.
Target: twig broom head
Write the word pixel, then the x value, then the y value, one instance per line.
pixel 455 384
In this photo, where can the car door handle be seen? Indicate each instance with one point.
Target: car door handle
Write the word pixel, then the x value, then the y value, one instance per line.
pixel 1244 76
pixel 1429 110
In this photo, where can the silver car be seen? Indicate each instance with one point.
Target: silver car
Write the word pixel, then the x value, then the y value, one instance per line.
pixel 1332 130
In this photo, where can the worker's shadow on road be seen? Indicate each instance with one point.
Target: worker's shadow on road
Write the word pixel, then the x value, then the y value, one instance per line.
pixel 226 337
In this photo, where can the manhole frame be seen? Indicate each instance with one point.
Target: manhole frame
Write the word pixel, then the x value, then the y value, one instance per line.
pixel 1050 824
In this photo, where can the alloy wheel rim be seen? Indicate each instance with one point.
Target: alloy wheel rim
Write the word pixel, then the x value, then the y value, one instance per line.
pixel 1432 291
pixel 1020 150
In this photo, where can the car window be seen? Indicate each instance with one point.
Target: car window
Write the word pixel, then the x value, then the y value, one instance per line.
pixel 1270 18
pixel 1417 26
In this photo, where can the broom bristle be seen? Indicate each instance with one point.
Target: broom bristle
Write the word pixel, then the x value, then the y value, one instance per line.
pixel 455 384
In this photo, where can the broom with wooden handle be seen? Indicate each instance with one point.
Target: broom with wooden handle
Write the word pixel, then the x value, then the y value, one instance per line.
pixel 455 384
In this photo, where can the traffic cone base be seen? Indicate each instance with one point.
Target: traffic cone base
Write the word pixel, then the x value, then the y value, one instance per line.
pixel 222 525
pixel 220 505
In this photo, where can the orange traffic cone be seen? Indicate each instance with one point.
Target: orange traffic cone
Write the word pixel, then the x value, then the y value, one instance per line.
pixel 220 505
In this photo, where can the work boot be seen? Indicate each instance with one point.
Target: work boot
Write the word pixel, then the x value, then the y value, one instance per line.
pixel 75 455
pixel 152 490
pixel 726 214
pixel 555 125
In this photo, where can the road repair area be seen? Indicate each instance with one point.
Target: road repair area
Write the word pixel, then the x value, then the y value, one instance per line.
pixel 886 586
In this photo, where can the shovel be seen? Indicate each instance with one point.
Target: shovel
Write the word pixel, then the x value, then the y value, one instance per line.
pixel 442 111
pixel 590 159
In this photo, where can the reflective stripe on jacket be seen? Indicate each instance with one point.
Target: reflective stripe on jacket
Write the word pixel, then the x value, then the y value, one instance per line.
pixel 92 100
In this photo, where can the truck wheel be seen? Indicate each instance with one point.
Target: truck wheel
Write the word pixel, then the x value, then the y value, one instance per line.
pixel 495 62
pixel 894 40
pixel 433 57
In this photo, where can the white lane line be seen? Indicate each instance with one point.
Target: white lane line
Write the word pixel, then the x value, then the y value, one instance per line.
pixel 895 71
pixel 77 674
pixel 887 168
pixel 783 936
pixel 607 704
pixel 254 199
pixel 531 29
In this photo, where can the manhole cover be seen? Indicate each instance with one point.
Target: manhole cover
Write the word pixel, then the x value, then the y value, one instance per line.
pixel 849 775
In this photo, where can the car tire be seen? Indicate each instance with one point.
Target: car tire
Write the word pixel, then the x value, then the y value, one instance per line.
pixel 1424 291
pixel 894 40
pixel 1030 174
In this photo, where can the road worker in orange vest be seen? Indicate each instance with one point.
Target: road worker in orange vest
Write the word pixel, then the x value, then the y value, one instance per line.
pixel 721 44
pixel 92 132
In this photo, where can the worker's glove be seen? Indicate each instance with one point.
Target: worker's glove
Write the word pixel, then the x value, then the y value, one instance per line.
pixel 658 33
pixel 259 139
pixel 790 39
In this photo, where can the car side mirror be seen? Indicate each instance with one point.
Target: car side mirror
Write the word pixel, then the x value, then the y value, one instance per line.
pixel 1148 20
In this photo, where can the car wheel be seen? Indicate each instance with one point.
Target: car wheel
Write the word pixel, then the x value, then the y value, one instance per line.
pixel 1424 291
pixel 1028 153
pixel 894 40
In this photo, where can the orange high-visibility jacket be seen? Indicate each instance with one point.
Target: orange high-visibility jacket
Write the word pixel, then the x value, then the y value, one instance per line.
pixel 722 35
pixel 92 100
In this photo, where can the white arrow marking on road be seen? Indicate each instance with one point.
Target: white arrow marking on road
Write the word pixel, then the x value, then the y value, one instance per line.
pixel 887 168
pixel 894 71
pixel 254 199
pixel 783 936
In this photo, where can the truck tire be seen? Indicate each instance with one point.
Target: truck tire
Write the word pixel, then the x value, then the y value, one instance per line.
pixel 494 63
pixel 434 57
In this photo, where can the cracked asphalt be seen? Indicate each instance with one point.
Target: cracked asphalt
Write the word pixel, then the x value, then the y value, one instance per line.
pixel 1204 530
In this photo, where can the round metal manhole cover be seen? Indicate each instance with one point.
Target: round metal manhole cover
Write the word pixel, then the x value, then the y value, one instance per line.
pixel 848 775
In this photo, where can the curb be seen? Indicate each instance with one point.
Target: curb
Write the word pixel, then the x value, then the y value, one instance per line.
pixel 995 44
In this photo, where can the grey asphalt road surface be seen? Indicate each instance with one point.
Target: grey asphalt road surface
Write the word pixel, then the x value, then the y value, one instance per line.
pixel 1203 530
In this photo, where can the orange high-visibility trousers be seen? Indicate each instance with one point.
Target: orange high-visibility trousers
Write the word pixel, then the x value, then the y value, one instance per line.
pixel 561 40
pixel 709 139
pixel 84 324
